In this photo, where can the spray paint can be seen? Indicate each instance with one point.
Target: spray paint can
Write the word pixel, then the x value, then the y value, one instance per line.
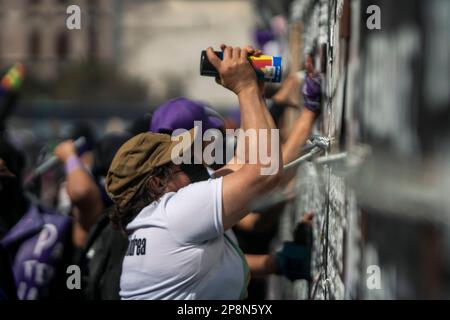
pixel 267 68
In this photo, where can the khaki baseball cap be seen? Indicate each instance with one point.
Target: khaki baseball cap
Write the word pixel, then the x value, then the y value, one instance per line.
pixel 138 157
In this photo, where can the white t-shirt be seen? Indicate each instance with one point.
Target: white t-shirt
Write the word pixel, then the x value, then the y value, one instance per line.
pixel 178 249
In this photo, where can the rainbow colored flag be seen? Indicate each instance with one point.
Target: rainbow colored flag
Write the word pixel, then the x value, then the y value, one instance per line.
pixel 13 79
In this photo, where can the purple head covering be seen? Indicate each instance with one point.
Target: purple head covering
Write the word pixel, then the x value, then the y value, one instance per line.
pixel 263 36
pixel 180 113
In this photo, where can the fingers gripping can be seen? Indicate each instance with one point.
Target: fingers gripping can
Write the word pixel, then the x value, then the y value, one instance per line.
pixel 267 68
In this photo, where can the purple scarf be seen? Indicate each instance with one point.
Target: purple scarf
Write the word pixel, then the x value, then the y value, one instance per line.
pixel 36 245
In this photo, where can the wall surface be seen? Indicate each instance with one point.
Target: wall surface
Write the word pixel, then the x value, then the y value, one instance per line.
pixel 179 30
pixel 382 211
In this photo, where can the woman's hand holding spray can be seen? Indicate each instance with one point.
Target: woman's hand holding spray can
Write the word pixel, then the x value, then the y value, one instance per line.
pixel 267 68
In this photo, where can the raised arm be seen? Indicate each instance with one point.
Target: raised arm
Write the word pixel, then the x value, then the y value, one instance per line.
pixel 248 182
pixel 297 137
pixel 301 131
pixel 82 191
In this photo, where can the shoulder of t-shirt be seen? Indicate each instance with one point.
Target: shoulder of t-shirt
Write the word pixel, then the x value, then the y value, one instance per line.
pixel 200 184
pixel 158 209
pixel 146 216
pixel 192 193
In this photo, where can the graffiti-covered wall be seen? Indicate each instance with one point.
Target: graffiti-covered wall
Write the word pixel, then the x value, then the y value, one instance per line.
pixel 381 225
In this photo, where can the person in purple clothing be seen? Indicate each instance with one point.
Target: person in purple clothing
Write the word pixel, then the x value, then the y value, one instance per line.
pixel 36 239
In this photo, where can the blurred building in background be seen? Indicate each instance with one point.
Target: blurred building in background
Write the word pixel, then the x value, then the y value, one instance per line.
pixel 158 42
pixel 162 41
pixel 35 33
